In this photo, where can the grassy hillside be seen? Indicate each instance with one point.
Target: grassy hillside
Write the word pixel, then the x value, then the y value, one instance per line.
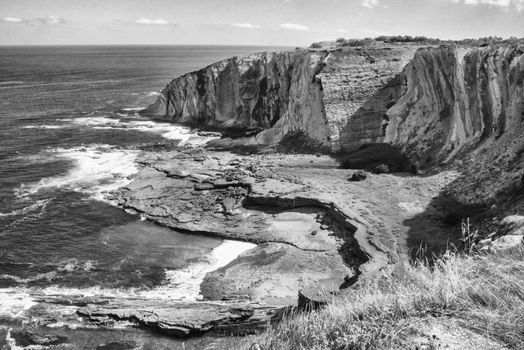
pixel 460 302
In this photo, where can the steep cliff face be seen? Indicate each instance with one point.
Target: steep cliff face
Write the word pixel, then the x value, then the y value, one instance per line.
pixel 432 103
pixel 456 100
pixel 273 94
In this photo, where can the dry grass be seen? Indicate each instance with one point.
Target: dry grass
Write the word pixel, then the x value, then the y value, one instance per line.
pixel 483 293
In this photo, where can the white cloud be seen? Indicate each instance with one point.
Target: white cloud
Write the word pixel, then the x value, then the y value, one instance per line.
pixel 370 3
pixel 293 26
pixel 12 19
pixel 49 20
pixel 340 30
pixel 39 21
pixel 518 4
pixel 246 25
pixel 151 21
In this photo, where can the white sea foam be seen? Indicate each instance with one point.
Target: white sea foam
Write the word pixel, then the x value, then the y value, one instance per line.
pixel 98 170
pixel 133 109
pixel 169 131
pixel 185 135
pixel 182 284
pixel 185 283
pixel 91 121
pixel 14 304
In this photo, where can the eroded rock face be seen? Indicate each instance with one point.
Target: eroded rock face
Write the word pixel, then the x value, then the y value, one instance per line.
pixel 454 98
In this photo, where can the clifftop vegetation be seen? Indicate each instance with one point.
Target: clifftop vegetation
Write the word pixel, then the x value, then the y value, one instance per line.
pixel 416 40
pixel 462 301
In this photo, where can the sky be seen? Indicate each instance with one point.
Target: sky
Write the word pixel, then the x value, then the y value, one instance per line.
pixel 250 22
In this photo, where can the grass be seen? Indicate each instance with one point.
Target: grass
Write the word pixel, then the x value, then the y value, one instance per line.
pixel 475 295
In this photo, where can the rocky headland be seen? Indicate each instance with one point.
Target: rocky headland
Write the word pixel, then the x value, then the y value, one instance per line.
pixel 437 129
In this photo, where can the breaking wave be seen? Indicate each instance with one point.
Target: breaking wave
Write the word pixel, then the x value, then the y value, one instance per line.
pixel 97 170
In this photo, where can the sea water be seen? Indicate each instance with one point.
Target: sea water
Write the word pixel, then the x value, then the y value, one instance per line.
pixel 69 131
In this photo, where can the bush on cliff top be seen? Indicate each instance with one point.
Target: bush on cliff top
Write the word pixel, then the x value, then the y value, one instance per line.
pixel 471 295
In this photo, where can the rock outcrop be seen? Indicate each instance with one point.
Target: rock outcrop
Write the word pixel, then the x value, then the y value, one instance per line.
pixel 220 195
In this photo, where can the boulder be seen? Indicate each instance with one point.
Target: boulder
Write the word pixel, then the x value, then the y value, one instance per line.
pixel 358 175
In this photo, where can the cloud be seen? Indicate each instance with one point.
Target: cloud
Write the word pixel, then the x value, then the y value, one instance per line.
pixel 49 20
pixel 159 21
pixel 12 19
pixel 246 25
pixel 39 21
pixel 340 30
pixel 293 26
pixel 370 3
pixel 503 4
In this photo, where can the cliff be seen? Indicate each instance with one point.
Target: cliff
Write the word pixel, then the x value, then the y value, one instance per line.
pixel 455 100
pixel 430 103
pixel 276 93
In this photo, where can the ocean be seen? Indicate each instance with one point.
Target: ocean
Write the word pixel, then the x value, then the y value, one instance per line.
pixel 69 135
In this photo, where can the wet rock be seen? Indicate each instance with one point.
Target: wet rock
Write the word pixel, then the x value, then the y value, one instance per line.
pixel 182 319
pixel 25 338
pixel 209 134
